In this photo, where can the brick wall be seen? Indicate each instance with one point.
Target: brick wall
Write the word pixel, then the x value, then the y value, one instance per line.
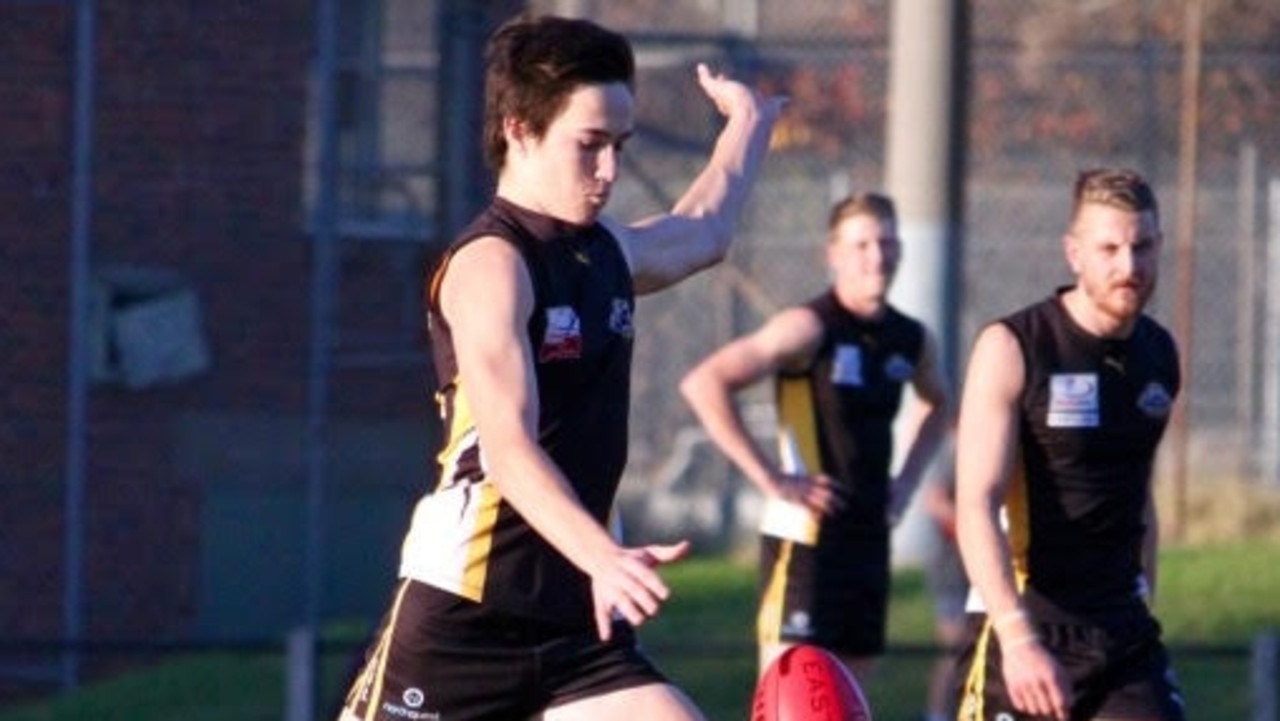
pixel 200 125
pixel 35 179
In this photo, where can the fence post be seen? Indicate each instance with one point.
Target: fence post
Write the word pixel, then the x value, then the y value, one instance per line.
pixel 1263 675
pixel 300 680
pixel 1271 350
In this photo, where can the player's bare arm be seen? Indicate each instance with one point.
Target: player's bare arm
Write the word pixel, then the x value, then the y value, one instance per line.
pixel 985 445
pixel 986 441
pixel 787 340
pixel 697 231
pixel 930 423
pixel 495 366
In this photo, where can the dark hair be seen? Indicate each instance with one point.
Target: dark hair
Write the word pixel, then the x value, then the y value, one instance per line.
pixel 876 205
pixel 536 62
pixel 1116 187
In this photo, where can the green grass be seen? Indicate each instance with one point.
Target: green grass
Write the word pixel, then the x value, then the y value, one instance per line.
pixel 1213 600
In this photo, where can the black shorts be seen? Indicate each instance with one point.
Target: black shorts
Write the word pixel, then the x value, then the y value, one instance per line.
pixel 1116 662
pixel 439 656
pixel 835 596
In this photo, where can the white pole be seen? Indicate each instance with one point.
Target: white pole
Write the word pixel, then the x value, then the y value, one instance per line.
pixel 923 175
pixel 1246 308
pixel 919 172
pixel 1270 445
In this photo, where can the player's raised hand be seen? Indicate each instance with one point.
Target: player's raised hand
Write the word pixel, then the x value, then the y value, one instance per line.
pixel 731 96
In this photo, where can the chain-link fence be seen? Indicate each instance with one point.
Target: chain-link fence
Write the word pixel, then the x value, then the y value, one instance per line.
pixel 1053 90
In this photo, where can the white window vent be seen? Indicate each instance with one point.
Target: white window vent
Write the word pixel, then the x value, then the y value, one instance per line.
pixel 147 327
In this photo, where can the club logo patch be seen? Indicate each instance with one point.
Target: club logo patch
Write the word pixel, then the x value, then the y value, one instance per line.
pixel 1073 400
pixel 620 318
pixel 1155 401
pixel 562 339
pixel 898 368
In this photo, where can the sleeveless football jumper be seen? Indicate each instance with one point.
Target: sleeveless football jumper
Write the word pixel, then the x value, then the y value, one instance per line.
pixel 464 538
pixel 1093 411
pixel 840 412
pixel 1091 415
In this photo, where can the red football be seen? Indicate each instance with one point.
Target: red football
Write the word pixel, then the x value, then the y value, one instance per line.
pixel 807 683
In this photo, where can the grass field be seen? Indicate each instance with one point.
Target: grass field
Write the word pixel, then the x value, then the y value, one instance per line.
pixel 1213 601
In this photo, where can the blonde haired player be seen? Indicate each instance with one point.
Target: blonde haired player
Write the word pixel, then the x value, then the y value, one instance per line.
pixel 1064 405
pixel 840 364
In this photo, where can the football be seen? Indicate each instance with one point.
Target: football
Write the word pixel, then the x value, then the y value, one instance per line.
pixel 806 683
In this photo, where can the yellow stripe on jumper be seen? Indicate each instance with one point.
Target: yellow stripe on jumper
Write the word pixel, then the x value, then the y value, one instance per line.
pixel 1018 517
pixel 797 417
pixel 769 619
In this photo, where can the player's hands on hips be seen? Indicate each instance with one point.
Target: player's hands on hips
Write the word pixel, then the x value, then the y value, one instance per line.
pixel 815 492
pixel 1035 681
pixel 732 97
pixel 630 586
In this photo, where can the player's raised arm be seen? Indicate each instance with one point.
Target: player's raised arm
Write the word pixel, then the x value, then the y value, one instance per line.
pixel 697 231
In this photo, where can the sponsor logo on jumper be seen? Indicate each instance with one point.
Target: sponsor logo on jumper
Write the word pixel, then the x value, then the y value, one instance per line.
pixel 412 714
pixel 798 624
pixel 620 318
pixel 1073 400
pixel 563 337
pixel 414 698
pixel 846 369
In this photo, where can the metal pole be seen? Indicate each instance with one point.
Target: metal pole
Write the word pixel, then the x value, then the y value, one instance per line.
pixel 77 350
pixel 1246 307
pixel 1270 431
pixel 1184 300
pixel 924 174
pixel 924 162
pixel 324 269
pixel 300 675
pixel 1149 143
pixel 1262 675
pixel 575 8
pixel 465 187
pixel 461 81
pixel 741 17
